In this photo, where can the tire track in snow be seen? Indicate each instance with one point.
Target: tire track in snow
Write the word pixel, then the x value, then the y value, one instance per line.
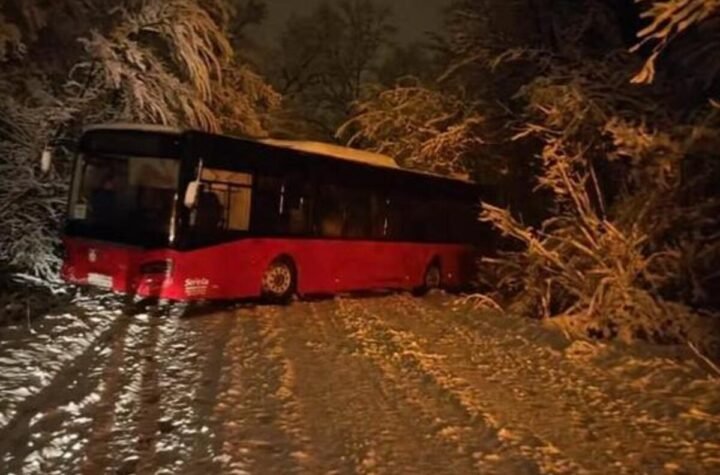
pixel 110 447
pixel 537 390
pixel 495 448
pixel 197 444
pixel 250 403
pixel 289 419
pixel 337 399
pixel 146 419
pixel 446 423
pixel 638 429
pixel 358 421
pixel 336 449
pixel 472 433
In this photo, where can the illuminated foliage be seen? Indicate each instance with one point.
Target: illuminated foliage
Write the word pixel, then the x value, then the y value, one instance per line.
pixel 10 37
pixel 419 127
pixel 632 226
pixel 670 19
pixel 167 63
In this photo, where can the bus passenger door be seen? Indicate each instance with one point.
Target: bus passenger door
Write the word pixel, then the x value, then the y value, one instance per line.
pixel 335 253
pixel 387 254
pixel 363 264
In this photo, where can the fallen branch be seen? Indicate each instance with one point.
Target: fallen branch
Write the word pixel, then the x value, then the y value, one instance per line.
pixel 481 301
pixel 715 368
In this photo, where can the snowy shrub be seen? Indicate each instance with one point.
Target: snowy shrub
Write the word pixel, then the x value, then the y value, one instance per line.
pixel 31 205
pixel 420 127
pixel 632 263
pixel 593 275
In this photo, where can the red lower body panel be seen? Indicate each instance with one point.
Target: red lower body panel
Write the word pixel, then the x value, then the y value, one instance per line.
pixel 234 270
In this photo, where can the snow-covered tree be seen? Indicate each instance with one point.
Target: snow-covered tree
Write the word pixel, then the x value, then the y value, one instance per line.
pixel 624 249
pixel 171 62
pixel 418 126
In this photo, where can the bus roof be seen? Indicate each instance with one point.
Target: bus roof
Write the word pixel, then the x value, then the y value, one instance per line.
pixel 335 151
pixel 355 155
pixel 134 128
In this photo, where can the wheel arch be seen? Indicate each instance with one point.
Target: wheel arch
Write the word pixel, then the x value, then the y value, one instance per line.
pixel 288 259
pixel 433 259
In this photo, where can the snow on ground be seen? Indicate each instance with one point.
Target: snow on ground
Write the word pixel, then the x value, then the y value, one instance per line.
pixel 33 353
pixel 186 394
pixel 391 384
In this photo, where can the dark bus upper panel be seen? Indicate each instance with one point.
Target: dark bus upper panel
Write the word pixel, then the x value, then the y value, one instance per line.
pixel 252 156
pixel 150 142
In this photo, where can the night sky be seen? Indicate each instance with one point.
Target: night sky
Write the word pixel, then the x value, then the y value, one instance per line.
pixel 413 18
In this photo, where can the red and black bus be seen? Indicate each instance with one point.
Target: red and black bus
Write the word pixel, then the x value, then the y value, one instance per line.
pixel 183 215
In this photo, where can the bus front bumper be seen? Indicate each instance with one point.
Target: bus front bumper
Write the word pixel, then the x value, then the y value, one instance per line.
pixel 119 269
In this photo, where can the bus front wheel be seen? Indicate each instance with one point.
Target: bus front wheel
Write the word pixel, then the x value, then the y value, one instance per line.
pixel 279 281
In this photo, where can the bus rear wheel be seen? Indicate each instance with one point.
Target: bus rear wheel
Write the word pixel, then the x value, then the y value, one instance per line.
pixel 432 279
pixel 278 281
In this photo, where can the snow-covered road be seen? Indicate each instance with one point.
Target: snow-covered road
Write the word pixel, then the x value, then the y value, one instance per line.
pixel 384 385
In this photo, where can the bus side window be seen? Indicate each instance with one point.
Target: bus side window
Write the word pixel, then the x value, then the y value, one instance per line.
pixel 394 225
pixel 330 211
pixel 282 205
pixel 358 219
pixel 464 223
pixel 240 203
pixel 225 200
pixel 266 205
pixel 439 219
pixel 297 206
pixel 413 218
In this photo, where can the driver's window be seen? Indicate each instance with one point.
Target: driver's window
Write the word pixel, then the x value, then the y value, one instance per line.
pixel 211 207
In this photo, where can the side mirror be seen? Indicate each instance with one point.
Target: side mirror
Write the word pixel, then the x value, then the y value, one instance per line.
pixel 46 159
pixel 191 194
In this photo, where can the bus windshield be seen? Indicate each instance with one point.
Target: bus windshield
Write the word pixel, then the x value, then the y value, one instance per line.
pixel 124 199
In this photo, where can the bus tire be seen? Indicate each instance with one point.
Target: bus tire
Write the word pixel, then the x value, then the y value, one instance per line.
pixel 432 279
pixel 279 281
